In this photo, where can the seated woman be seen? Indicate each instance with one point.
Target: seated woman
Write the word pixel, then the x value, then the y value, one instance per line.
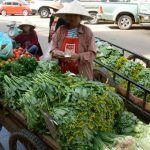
pixel 28 39
pixel 74 44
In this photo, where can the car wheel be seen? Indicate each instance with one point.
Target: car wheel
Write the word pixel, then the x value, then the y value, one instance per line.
pixel 125 22
pixel 44 12
pixel 94 16
pixel 25 13
pixel 4 13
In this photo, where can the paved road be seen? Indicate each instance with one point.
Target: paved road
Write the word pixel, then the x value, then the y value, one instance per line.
pixel 137 39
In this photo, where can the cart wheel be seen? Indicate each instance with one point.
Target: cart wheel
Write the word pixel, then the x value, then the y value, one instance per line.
pixel 27 139
pixel 101 74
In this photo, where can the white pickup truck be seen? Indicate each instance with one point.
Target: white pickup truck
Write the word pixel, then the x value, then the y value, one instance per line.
pixel 126 12
pixel 43 7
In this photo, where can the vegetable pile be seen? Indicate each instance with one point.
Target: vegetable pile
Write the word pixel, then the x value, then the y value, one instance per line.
pixel 88 115
pixel 4 62
pixel 17 53
pixel 143 78
pixel 21 67
pixel 113 57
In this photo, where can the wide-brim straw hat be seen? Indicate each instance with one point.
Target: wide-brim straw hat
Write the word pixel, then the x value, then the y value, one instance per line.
pixel 56 5
pixel 73 8
pixel 27 23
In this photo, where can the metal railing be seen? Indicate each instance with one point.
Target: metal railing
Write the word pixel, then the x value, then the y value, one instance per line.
pixel 137 56
pixel 129 81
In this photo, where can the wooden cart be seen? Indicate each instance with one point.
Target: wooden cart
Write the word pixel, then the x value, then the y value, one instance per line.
pixel 15 123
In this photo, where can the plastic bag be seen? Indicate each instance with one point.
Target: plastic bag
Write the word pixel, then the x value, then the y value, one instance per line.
pixel 46 55
pixel 6 46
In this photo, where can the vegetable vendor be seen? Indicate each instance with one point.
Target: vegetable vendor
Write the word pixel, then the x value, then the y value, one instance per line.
pixel 74 44
pixel 28 39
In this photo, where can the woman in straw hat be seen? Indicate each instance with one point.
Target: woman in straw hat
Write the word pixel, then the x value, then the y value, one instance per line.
pixel 74 44
pixel 55 22
pixel 28 39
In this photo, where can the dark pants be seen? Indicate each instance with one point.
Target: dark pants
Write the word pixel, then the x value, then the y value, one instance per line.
pixel 33 49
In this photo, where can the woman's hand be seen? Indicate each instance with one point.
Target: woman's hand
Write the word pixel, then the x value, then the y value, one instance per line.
pixel 75 56
pixel 58 54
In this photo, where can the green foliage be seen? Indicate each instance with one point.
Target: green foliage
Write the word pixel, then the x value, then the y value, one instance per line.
pixel 143 79
pixel 108 55
pixel 81 108
pixel 21 67
pixel 92 106
pixel 13 88
pixel 125 123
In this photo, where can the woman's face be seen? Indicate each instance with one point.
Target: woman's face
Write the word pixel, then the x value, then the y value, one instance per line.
pixel 73 20
pixel 26 28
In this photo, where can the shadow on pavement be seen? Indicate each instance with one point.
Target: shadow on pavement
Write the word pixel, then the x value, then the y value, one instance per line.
pixel 100 22
pixel 133 28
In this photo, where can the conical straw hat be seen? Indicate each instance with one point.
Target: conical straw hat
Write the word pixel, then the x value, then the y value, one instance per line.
pixel 73 8
pixel 56 5
pixel 26 22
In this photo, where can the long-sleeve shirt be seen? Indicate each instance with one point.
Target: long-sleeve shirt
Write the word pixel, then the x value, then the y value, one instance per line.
pixel 87 48
pixel 28 40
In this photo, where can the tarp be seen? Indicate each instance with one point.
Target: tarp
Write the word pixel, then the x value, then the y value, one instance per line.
pixel 6 46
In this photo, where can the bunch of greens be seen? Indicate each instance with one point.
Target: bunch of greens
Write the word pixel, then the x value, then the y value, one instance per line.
pixel 130 70
pixel 111 141
pixel 46 91
pixel 128 124
pixel 125 123
pixel 89 107
pixel 143 79
pixel 13 88
pixel 120 62
pixel 21 67
pixel 48 66
pixel 29 64
pixel 108 55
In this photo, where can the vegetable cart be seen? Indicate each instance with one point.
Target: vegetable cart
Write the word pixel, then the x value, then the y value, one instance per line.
pixel 15 123
pixel 76 91
pixel 139 106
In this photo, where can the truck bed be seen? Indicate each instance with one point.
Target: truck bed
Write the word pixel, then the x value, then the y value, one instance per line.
pixel 111 10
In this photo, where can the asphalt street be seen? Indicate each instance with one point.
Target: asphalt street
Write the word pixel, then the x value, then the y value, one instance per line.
pixel 137 39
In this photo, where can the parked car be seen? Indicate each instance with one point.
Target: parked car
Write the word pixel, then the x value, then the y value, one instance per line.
pixel 125 13
pixel 14 7
pixel 42 7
